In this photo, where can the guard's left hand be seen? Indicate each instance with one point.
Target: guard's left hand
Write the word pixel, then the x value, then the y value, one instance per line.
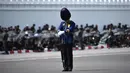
pixel 60 33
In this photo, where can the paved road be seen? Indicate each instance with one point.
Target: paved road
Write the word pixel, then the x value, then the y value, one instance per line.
pixel 77 53
pixel 88 64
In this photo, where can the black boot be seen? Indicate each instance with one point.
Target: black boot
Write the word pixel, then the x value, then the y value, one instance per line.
pixel 69 68
pixel 65 69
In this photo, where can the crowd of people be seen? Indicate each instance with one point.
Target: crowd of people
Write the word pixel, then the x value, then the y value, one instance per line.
pixel 46 27
pixel 119 35
pixel 26 28
pixel 80 33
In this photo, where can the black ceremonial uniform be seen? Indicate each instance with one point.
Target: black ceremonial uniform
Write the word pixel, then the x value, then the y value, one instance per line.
pixel 67 26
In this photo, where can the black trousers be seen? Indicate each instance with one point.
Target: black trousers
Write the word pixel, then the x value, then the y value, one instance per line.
pixel 5 46
pixel 81 43
pixel 67 56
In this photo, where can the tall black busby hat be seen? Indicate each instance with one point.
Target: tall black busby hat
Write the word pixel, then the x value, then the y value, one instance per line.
pixel 65 14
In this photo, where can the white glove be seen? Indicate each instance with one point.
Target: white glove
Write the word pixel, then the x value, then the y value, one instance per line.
pixel 60 33
pixel 26 32
pixel 36 35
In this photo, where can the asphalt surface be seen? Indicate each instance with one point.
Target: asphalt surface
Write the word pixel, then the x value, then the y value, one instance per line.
pixel 91 64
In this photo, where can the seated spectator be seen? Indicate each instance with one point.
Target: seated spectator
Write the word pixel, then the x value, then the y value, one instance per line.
pixel 86 26
pixel 53 28
pixel 76 28
pixel 26 28
pixel 81 27
pixel 91 26
pixel 45 27
pixel 39 30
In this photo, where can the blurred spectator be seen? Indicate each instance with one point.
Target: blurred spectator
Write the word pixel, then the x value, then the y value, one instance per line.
pixel 33 28
pixel 114 27
pixel 13 30
pixel 26 28
pixel 88 30
pixel 110 41
pixel 53 28
pixel 96 28
pixel 5 39
pixel 9 29
pixel 92 26
pixel 111 33
pixel 39 30
pixel 45 27
pixel 104 27
pixel 76 28
pixel 122 27
pixel 81 27
pixel 17 29
pixel 1 29
pixel 80 35
pixel 111 26
pixel 119 25
pixel 125 26
pixel 86 26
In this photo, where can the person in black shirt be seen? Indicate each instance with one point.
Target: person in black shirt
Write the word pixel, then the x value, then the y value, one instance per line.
pixel 76 28
pixel 53 28
pixel 26 28
pixel 111 34
pixel 39 30
pixel 80 35
pixel 86 26
pixel 104 28
pixel 45 27
pixel 125 27
pixel 0 29
pixel 81 27
pixel 17 29
pixel 96 28
pixel 5 42
pixel 33 28
pixel 119 25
